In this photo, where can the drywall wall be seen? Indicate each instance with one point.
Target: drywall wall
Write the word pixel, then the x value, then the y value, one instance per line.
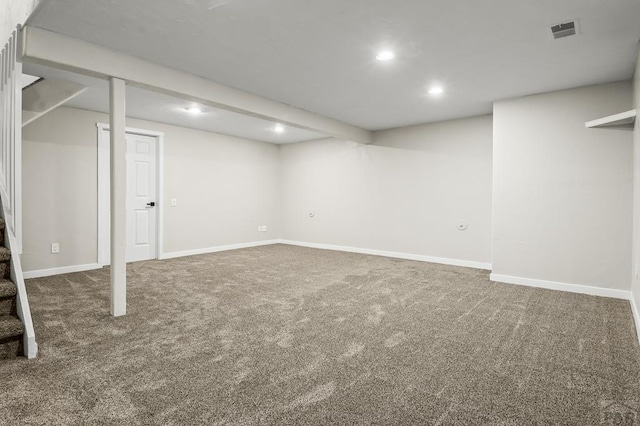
pixel 12 14
pixel 562 193
pixel 225 187
pixel 405 193
pixel 635 281
pixel 59 191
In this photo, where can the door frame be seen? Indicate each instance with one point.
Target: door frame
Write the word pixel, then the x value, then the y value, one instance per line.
pixel 104 189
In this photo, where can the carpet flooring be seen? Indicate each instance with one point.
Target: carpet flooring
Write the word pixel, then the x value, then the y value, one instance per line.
pixel 289 335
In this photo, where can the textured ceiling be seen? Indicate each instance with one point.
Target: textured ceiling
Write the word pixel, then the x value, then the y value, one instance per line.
pixel 319 55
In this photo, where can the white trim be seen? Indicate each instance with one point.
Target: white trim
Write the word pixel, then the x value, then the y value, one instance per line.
pixel 103 189
pixel 553 285
pixel 62 270
pixel 636 315
pixel 217 249
pixel 160 196
pixel 626 118
pixel 397 255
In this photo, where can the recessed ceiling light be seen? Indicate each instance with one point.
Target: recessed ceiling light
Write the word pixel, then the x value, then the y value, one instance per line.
pixel 193 110
pixel 436 90
pixel 279 128
pixel 387 55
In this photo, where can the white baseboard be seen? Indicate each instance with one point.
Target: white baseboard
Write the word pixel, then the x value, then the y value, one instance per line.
pixel 636 315
pixel 206 250
pixel 397 255
pixel 553 285
pixel 62 270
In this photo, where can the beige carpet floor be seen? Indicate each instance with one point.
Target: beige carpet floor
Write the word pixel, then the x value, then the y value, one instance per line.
pixel 289 335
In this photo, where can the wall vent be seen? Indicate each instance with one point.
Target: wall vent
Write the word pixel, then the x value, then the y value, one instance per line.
pixel 564 29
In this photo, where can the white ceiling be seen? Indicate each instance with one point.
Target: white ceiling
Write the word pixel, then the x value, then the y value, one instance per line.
pixel 319 54
pixel 161 108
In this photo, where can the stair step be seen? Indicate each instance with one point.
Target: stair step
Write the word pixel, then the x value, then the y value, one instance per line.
pixel 7 288
pixel 11 331
pixel 5 254
pixel 8 306
pixel 10 326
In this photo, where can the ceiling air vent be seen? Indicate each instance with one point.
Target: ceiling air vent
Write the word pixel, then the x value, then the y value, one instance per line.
pixel 563 30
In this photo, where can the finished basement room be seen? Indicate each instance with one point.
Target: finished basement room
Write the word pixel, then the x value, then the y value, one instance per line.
pixel 319 212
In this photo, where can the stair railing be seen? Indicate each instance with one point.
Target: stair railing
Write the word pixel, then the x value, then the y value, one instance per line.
pixel 10 176
pixel 11 136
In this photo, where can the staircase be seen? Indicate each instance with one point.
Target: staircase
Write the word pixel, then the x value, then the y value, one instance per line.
pixel 11 328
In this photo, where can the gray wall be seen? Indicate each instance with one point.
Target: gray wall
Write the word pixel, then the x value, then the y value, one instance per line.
pixel 562 194
pixel 405 193
pixel 226 185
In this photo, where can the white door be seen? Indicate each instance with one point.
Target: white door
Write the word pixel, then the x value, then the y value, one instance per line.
pixel 141 197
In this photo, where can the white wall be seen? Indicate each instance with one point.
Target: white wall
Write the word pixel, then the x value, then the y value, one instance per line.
pixel 59 190
pixel 405 193
pixel 12 13
pixel 562 194
pixel 225 187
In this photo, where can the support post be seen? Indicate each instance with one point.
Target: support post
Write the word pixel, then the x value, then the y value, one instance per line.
pixel 118 197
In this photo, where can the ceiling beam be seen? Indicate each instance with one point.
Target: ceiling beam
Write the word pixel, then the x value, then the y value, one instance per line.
pixel 59 51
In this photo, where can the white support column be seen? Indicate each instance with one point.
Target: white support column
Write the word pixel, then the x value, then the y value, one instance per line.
pixel 118 197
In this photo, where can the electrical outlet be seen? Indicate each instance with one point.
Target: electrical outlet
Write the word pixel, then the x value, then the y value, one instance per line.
pixel 174 202
pixel 55 248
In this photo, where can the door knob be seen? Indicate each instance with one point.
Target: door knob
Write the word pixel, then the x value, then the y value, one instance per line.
pixel 151 204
